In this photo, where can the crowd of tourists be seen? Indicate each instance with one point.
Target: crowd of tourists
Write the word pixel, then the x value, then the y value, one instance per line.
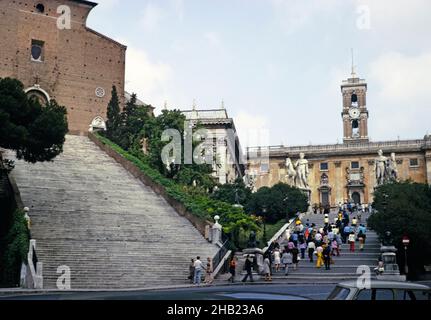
pixel 317 245
pixel 307 241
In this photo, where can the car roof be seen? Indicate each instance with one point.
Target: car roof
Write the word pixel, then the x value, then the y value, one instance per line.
pixel 380 284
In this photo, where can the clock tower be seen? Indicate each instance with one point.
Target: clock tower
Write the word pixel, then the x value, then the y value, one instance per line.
pixel 355 112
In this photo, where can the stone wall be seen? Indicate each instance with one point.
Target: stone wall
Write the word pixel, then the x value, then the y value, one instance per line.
pixel 75 62
pixel 337 173
pixel 197 222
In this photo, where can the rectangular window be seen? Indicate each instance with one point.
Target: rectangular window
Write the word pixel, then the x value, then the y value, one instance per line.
pixel 37 52
pixel 264 168
pixel 355 165
pixel 324 166
pixel 414 163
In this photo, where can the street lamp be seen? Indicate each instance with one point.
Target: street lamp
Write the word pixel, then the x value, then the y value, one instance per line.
pixel 264 224
pixel 406 242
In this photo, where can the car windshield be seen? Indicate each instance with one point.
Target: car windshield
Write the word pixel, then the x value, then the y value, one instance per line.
pixel 339 293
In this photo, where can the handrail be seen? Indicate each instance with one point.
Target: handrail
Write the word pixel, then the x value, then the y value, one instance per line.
pixel 220 258
pixel 32 278
pixel 280 234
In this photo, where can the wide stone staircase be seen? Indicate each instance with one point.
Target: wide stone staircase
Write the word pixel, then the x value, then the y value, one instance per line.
pixel 89 214
pixel 345 266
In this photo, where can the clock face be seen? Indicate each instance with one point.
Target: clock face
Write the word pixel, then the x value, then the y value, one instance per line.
pixel 354 113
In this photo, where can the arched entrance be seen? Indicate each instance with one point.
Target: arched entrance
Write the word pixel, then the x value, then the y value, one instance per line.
pixel 356 197
pixel 39 94
pixel 98 124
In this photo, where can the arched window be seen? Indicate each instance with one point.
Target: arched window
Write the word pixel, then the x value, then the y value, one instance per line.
pixel 355 128
pixel 354 98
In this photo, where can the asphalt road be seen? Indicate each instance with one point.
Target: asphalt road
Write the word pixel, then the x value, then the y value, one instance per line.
pixel 236 292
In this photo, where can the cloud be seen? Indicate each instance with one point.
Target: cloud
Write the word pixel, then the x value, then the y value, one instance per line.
pixel 213 38
pixel 109 4
pixel 253 129
pixel 151 17
pixel 402 78
pixel 402 82
pixel 178 6
pixel 147 78
pixel 293 15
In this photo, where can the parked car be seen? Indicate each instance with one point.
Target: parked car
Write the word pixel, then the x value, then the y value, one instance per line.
pixel 380 290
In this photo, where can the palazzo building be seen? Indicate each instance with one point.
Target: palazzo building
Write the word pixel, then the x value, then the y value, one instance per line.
pixel 227 153
pixel 47 45
pixel 347 171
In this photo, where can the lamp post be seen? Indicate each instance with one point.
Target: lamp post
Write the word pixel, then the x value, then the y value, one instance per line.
pixel 264 224
pixel 406 242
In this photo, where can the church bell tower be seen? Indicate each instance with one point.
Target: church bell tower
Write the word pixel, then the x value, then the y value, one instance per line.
pixel 355 112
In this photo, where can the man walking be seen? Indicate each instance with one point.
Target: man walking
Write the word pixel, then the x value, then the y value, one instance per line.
pixel 198 271
pixel 248 267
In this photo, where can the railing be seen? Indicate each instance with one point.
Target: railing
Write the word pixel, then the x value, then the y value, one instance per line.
pixel 342 147
pixel 32 277
pixel 282 232
pixel 221 259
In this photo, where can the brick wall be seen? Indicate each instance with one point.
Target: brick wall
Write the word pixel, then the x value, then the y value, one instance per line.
pixel 75 62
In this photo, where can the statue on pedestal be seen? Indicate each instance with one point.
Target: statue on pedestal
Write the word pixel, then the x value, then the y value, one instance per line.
pixel 392 168
pixel 302 172
pixel 290 173
pixel 381 172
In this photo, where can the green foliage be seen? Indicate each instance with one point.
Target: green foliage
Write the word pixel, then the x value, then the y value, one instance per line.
pixel 405 209
pixel 195 200
pixel 35 132
pixel 113 114
pixel 17 244
pixel 235 193
pixel 281 202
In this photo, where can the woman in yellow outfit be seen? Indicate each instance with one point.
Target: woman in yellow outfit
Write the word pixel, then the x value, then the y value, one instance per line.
pixel 320 261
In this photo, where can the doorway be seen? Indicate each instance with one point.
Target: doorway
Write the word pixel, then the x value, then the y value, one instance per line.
pixel 325 198
pixel 356 197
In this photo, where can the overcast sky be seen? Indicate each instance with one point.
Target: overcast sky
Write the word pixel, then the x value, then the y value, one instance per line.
pixel 278 64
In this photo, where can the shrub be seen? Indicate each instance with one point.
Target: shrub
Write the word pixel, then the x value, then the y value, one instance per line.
pixel 17 245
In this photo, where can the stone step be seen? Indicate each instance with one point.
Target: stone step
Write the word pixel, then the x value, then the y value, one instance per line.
pixel 89 213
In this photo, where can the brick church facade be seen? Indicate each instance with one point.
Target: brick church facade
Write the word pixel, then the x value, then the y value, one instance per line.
pixel 73 64
pixel 344 172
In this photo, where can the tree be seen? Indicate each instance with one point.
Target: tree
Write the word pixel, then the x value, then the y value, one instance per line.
pixel 233 193
pixel 113 113
pixel 35 132
pixel 276 203
pixel 182 173
pixel 405 209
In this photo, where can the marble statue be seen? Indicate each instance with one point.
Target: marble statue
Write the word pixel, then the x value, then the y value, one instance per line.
pixel 302 172
pixel 392 168
pixel 381 173
pixel 249 181
pixel 290 172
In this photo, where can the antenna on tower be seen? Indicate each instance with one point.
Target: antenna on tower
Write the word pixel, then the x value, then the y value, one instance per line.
pixel 353 65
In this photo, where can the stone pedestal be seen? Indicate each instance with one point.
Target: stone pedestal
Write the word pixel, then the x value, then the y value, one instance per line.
pixel 307 192
pixel 389 259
